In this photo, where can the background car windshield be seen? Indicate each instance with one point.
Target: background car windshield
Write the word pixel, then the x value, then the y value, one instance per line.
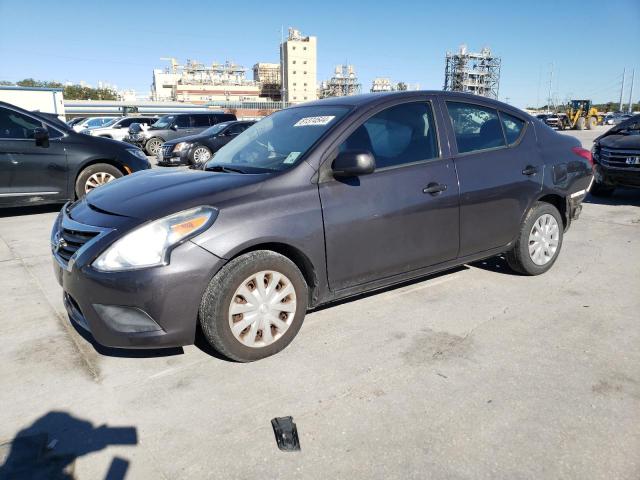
pixel 164 122
pixel 280 140
pixel 215 129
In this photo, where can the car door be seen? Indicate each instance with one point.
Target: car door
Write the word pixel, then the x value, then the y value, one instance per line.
pixel 500 171
pixel 200 123
pixel 401 217
pixel 29 172
pixel 183 127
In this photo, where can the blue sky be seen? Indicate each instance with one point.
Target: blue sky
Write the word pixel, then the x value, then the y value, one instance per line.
pixel 589 42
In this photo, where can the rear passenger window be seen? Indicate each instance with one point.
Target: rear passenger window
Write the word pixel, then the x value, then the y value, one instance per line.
pixel 475 127
pixel 513 127
pixel 182 121
pixel 201 121
pixel 398 135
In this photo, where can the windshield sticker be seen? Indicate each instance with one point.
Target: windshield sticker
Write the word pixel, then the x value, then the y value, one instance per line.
pixel 312 121
pixel 291 157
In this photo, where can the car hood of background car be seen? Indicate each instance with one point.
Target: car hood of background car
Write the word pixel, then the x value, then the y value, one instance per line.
pixel 189 139
pixel 154 194
pixel 629 142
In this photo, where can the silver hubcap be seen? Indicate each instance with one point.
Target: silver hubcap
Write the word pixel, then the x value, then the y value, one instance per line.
pixel 262 309
pixel 543 239
pixel 154 146
pixel 201 154
pixel 96 180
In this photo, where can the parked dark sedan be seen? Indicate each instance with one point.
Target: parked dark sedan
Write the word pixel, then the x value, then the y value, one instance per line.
pixel 315 203
pixel 617 157
pixel 42 160
pixel 198 149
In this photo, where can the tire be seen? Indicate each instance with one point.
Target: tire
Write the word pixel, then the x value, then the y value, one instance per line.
pixel 216 319
pixel 580 123
pixel 95 175
pixel 592 122
pixel 519 258
pixel 601 190
pixel 153 146
pixel 199 155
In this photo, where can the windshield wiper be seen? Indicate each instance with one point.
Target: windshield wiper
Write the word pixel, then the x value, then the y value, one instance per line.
pixel 221 168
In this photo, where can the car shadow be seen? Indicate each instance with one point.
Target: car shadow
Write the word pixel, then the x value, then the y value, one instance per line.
pixel 30 210
pixel 126 352
pixel 496 264
pixel 49 447
pixel 621 197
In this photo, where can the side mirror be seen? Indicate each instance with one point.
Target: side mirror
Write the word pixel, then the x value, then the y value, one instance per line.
pixel 352 163
pixel 174 127
pixel 41 136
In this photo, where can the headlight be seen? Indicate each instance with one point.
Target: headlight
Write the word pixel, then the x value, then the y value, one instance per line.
pixel 150 244
pixel 136 152
pixel 181 146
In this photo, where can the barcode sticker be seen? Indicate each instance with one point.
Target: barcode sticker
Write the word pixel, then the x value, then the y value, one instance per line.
pixel 312 121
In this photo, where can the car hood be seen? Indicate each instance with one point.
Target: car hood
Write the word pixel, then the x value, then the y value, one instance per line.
pixel 190 138
pixel 627 142
pixel 152 194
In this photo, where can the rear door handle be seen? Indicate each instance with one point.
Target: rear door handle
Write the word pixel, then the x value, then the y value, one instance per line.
pixel 530 170
pixel 434 188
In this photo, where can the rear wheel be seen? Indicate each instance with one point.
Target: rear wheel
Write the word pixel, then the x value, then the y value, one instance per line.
pixel 591 123
pixel 95 175
pixel 254 306
pixel 539 241
pixel 153 146
pixel 580 123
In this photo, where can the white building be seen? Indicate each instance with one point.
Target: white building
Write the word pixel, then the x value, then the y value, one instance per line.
pixel 298 56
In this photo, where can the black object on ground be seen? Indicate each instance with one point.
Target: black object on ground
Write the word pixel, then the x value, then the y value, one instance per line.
pixel 286 434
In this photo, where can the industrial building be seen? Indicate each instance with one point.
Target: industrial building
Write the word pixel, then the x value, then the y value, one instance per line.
pixel 268 76
pixel 199 83
pixel 381 84
pixel 476 73
pixel 343 83
pixel 298 55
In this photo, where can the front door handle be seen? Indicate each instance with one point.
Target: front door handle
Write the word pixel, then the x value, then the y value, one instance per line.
pixel 434 188
pixel 530 170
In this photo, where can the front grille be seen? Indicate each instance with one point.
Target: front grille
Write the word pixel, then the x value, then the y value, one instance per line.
pixel 628 159
pixel 70 241
pixel 166 150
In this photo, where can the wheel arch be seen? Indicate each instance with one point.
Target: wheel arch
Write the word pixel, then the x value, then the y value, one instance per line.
pixel 297 256
pixel 81 168
pixel 558 201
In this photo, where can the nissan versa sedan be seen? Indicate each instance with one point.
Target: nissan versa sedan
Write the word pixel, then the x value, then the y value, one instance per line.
pixel 315 203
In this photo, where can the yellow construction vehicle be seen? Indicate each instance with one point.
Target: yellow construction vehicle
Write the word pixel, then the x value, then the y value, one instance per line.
pixel 578 116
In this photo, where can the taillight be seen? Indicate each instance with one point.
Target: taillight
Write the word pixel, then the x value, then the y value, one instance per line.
pixel 581 152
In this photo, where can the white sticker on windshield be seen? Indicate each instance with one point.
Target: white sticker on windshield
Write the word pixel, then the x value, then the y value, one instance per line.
pixel 291 157
pixel 311 121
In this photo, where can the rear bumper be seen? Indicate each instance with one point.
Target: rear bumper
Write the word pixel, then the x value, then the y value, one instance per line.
pixel 146 308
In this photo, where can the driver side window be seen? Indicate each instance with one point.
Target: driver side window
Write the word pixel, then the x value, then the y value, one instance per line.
pixel 16 125
pixel 398 135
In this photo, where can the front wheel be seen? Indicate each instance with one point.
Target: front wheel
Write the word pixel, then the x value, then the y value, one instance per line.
pixel 200 155
pixel 539 241
pixel 254 306
pixel 153 146
pixel 94 176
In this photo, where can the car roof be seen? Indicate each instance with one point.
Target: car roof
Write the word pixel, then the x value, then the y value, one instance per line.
pixel 371 99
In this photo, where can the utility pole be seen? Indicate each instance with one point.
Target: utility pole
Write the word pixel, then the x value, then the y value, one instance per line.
pixel 550 84
pixel 624 71
pixel 633 74
pixel 282 87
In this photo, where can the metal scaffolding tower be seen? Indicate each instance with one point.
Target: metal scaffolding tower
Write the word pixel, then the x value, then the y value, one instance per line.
pixel 476 73
pixel 343 83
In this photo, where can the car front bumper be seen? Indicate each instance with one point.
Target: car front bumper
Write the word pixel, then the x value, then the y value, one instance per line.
pixel 619 177
pixel 146 308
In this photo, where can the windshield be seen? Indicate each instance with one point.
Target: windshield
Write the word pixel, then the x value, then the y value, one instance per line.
pixel 630 126
pixel 164 122
pixel 277 142
pixel 216 129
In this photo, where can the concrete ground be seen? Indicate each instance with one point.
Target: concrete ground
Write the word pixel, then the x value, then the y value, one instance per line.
pixel 476 373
